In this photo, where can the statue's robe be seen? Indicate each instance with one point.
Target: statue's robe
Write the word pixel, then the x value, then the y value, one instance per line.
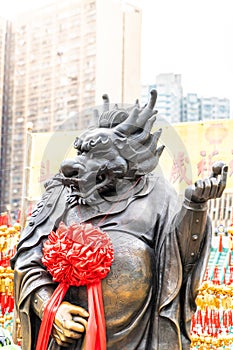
pixel 149 294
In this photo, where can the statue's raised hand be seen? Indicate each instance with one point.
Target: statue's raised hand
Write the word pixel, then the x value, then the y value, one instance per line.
pixel 209 188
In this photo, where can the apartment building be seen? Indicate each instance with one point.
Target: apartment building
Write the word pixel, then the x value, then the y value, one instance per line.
pixel 191 108
pixel 64 57
pixel 5 119
pixel 3 24
pixel 176 107
pixel 170 93
pixel 214 108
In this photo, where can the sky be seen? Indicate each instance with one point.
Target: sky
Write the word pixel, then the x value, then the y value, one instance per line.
pixel 188 37
pixel 191 38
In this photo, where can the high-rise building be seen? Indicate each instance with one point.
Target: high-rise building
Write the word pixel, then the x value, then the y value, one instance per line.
pixel 205 108
pixel 65 56
pixel 214 108
pixel 3 24
pixel 191 108
pixel 176 108
pixel 5 117
pixel 170 93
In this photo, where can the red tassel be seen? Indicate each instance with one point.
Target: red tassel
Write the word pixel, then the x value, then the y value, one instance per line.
pixel 224 275
pixel 220 246
pixel 3 304
pixel 216 276
pixel 224 319
pixel 96 329
pixel 230 318
pixel 206 278
pixel 49 315
pixel 194 323
pixel 206 317
pixel 11 304
pixel 199 317
pixel 231 275
pixel 211 317
pixel 229 259
pixel 217 319
pixel 4 219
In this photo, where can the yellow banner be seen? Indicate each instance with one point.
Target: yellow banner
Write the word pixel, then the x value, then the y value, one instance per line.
pixel 192 148
pixel 48 151
pixel 190 151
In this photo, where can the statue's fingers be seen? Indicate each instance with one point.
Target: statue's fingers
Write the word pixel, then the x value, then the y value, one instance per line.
pixel 217 168
pixel 224 175
pixel 61 338
pixel 60 342
pixel 67 339
pixel 206 190
pixel 64 333
pixel 199 189
pixel 75 326
pixel 222 181
pixel 80 320
pixel 57 329
pixel 77 310
pixel 71 335
pixel 214 188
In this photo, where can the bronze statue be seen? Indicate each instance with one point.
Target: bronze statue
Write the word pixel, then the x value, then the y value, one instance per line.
pixel 160 248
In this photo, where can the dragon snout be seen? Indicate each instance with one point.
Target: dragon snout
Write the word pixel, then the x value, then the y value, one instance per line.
pixel 70 168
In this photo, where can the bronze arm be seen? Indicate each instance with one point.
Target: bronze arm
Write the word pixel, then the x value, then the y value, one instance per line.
pixel 191 225
pixel 40 298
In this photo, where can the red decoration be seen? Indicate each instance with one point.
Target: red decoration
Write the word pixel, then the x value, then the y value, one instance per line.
pixel 4 219
pixel 231 276
pixel 216 279
pixel 230 255
pixel 220 246
pixel 230 318
pixel 206 278
pixel 199 317
pixel 77 255
pixel 206 317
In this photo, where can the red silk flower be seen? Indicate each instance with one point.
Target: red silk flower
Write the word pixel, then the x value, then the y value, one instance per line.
pixel 77 255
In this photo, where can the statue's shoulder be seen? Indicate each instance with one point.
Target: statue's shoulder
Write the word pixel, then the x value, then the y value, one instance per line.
pixel 158 183
pixel 54 195
pixel 52 204
pixel 162 193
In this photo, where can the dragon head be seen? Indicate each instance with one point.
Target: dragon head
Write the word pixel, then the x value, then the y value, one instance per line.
pixel 122 147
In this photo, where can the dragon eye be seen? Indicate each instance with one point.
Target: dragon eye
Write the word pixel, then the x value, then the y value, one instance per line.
pixel 92 143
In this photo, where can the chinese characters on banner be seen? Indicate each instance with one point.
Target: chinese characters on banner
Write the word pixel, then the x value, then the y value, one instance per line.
pixel 204 144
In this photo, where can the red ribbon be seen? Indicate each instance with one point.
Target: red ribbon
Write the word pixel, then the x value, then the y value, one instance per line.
pixel 77 255
pixel 49 315
pixel 96 329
